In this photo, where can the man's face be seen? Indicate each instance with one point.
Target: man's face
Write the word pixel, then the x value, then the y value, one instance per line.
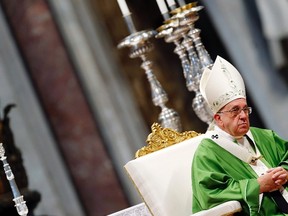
pixel 234 118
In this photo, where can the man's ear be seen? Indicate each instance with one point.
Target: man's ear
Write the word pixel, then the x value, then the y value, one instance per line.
pixel 217 118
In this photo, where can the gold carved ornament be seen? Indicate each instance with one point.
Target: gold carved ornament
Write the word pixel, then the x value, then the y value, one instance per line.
pixel 161 138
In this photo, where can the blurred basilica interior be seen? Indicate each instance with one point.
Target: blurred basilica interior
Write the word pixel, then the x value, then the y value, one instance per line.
pixel 83 107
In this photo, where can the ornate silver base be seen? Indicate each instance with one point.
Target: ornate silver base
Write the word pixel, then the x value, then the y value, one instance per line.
pixel 168 118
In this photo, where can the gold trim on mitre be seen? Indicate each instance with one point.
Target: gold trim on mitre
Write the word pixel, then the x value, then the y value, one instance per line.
pixel 221 84
pixel 161 138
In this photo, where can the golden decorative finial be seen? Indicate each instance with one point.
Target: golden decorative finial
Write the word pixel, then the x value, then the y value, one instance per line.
pixel 161 138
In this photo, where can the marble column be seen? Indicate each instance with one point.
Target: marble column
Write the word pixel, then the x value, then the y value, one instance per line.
pixel 63 101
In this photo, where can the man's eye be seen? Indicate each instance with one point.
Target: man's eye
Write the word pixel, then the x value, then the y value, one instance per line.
pixel 235 110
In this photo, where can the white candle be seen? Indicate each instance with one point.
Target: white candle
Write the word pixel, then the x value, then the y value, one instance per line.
pixel 123 7
pixel 171 3
pixel 162 6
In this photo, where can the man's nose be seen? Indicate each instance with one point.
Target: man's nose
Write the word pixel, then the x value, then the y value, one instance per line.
pixel 243 114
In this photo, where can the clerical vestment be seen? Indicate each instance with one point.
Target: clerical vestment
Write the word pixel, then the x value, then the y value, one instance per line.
pixel 218 176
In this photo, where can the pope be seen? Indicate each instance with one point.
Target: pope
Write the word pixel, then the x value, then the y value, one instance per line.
pixel 235 161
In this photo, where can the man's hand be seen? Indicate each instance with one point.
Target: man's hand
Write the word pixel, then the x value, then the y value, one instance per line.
pixel 280 176
pixel 273 179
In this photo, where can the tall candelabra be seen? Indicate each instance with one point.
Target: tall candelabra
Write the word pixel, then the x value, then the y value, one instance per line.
pixel 20 204
pixel 194 58
pixel 139 47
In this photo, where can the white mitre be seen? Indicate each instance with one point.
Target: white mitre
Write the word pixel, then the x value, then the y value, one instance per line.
pixel 221 84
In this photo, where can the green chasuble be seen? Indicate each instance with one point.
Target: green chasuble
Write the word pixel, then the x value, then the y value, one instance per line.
pixel 218 176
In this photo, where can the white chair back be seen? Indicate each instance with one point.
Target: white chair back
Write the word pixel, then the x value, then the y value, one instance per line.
pixel 163 178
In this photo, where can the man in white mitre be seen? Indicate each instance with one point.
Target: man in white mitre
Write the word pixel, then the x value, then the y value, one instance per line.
pixel 235 161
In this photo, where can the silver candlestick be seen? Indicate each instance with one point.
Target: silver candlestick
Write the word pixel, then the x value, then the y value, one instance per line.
pixel 172 31
pixel 179 29
pixel 139 47
pixel 20 204
pixel 187 16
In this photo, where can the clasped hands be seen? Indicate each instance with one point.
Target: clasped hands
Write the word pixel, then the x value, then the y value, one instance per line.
pixel 273 179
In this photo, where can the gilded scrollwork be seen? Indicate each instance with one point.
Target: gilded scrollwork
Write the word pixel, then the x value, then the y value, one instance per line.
pixel 161 138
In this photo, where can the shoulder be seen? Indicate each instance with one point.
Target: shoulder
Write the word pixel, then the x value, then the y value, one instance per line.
pixel 206 142
pixel 264 135
pixel 262 131
pixel 206 146
pixel 206 151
